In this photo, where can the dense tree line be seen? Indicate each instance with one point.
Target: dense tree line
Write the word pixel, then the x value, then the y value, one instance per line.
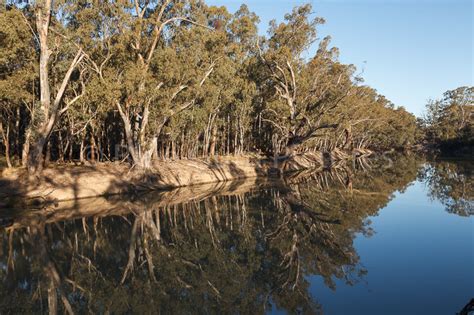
pixel 449 122
pixel 177 79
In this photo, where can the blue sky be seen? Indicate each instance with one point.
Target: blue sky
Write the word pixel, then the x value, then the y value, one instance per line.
pixel 410 50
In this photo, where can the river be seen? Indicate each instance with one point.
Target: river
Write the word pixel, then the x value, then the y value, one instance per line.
pixel 390 236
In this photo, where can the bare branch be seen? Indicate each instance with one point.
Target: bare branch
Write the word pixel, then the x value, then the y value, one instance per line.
pixel 77 97
pixel 159 30
pixel 282 129
pixel 180 88
pixel 293 79
pixel 77 59
pixel 30 27
pixel 206 75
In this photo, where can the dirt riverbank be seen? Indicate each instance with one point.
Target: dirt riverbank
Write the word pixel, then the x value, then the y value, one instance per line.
pixel 67 182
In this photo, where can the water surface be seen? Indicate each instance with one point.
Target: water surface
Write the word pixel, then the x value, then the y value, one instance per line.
pixel 373 238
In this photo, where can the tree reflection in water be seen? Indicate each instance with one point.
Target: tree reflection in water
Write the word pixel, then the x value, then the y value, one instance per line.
pixel 246 250
pixel 452 184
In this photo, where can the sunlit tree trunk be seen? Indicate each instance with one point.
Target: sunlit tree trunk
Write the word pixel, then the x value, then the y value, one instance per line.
pixel 212 150
pixel 48 113
pixel 26 148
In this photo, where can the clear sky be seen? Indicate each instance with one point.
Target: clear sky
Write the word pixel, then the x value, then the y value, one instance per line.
pixel 410 50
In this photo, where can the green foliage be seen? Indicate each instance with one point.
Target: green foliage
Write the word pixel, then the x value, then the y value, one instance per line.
pixel 184 79
pixel 17 58
pixel 448 122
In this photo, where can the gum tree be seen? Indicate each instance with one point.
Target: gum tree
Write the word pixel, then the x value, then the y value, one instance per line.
pixel 298 94
pixel 149 88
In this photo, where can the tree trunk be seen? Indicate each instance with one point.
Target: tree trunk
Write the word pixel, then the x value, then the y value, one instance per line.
pixel 145 161
pixel 48 154
pixel 173 149
pixel 228 135
pixel 128 135
pixel 236 136
pixel 71 153
pixel 17 129
pixel 26 148
pixel 196 147
pixel 35 158
pixel 348 142
pixel 81 151
pixel 182 147
pixel 61 147
pixel 6 142
pixel 212 150
pixel 48 114
pixel 167 151
pixel 92 150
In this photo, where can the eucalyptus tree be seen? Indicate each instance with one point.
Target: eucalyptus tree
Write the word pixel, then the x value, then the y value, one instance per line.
pixel 228 97
pixel 17 76
pixel 243 35
pixel 220 120
pixel 182 79
pixel 300 94
pixel 54 101
pixel 96 29
pixel 156 75
pixel 369 120
pixel 449 120
pixel 198 46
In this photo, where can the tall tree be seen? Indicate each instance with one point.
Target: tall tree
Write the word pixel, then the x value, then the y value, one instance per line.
pixel 179 79
pixel 300 94
pixel 148 26
pixel 17 75
pixel 49 110
pixel 449 120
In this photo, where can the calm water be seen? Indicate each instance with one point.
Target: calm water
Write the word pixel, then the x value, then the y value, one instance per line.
pixel 375 238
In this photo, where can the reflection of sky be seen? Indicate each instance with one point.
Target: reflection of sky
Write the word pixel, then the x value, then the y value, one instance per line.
pixel 420 261
pixel 414 49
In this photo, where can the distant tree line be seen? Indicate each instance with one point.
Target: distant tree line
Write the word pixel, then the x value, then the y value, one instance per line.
pixel 178 79
pixel 448 124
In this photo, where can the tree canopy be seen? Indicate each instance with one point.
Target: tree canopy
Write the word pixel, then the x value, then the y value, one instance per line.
pixel 449 121
pixel 178 79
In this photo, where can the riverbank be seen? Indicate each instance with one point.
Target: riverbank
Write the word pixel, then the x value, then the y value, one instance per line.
pixel 71 182
pixel 119 205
